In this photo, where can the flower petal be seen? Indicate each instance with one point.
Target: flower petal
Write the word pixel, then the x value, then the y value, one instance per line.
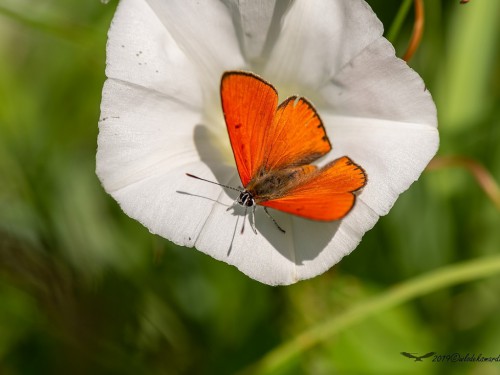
pixel 204 31
pixel 141 134
pixel 376 84
pixel 256 23
pixel 317 41
pixel 142 52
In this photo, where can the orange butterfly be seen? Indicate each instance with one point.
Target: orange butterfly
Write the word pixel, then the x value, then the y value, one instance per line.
pixel 273 147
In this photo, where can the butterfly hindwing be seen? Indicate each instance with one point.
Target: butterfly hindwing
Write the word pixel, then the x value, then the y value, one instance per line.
pixel 326 194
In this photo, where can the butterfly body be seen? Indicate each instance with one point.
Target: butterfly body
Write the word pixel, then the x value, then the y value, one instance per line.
pixel 266 186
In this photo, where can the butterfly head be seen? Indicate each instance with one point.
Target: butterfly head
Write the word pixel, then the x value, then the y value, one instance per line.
pixel 246 199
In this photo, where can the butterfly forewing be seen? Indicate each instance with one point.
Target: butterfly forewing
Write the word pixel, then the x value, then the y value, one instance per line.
pixel 295 137
pixel 249 105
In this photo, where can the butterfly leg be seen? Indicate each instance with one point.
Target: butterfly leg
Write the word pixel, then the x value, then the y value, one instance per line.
pixel 274 221
pixel 253 219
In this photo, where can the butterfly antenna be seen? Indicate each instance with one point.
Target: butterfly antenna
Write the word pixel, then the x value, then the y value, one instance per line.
pixel 212 182
pixel 274 221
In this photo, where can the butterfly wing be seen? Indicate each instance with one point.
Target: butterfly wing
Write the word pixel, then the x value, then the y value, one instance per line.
pixel 326 194
pixel 296 136
pixel 265 137
pixel 249 104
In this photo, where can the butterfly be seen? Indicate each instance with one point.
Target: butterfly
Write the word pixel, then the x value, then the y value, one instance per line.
pixel 274 146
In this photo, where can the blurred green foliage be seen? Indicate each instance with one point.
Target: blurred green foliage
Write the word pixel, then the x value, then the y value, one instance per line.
pixel 86 290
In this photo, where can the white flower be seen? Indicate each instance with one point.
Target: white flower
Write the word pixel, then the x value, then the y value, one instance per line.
pixel 161 118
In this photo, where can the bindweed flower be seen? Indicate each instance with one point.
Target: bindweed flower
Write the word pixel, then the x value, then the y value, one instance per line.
pixel 161 118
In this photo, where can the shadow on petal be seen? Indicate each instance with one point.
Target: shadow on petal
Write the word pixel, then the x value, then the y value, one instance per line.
pixel 214 159
pixel 304 239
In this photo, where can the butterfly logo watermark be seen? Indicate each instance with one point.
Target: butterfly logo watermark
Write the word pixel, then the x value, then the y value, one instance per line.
pixel 418 358
pixel 453 357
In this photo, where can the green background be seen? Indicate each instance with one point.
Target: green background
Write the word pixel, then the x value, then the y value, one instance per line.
pixel 86 290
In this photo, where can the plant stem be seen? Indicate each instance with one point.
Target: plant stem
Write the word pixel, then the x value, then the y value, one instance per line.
pixel 395 28
pixel 418 30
